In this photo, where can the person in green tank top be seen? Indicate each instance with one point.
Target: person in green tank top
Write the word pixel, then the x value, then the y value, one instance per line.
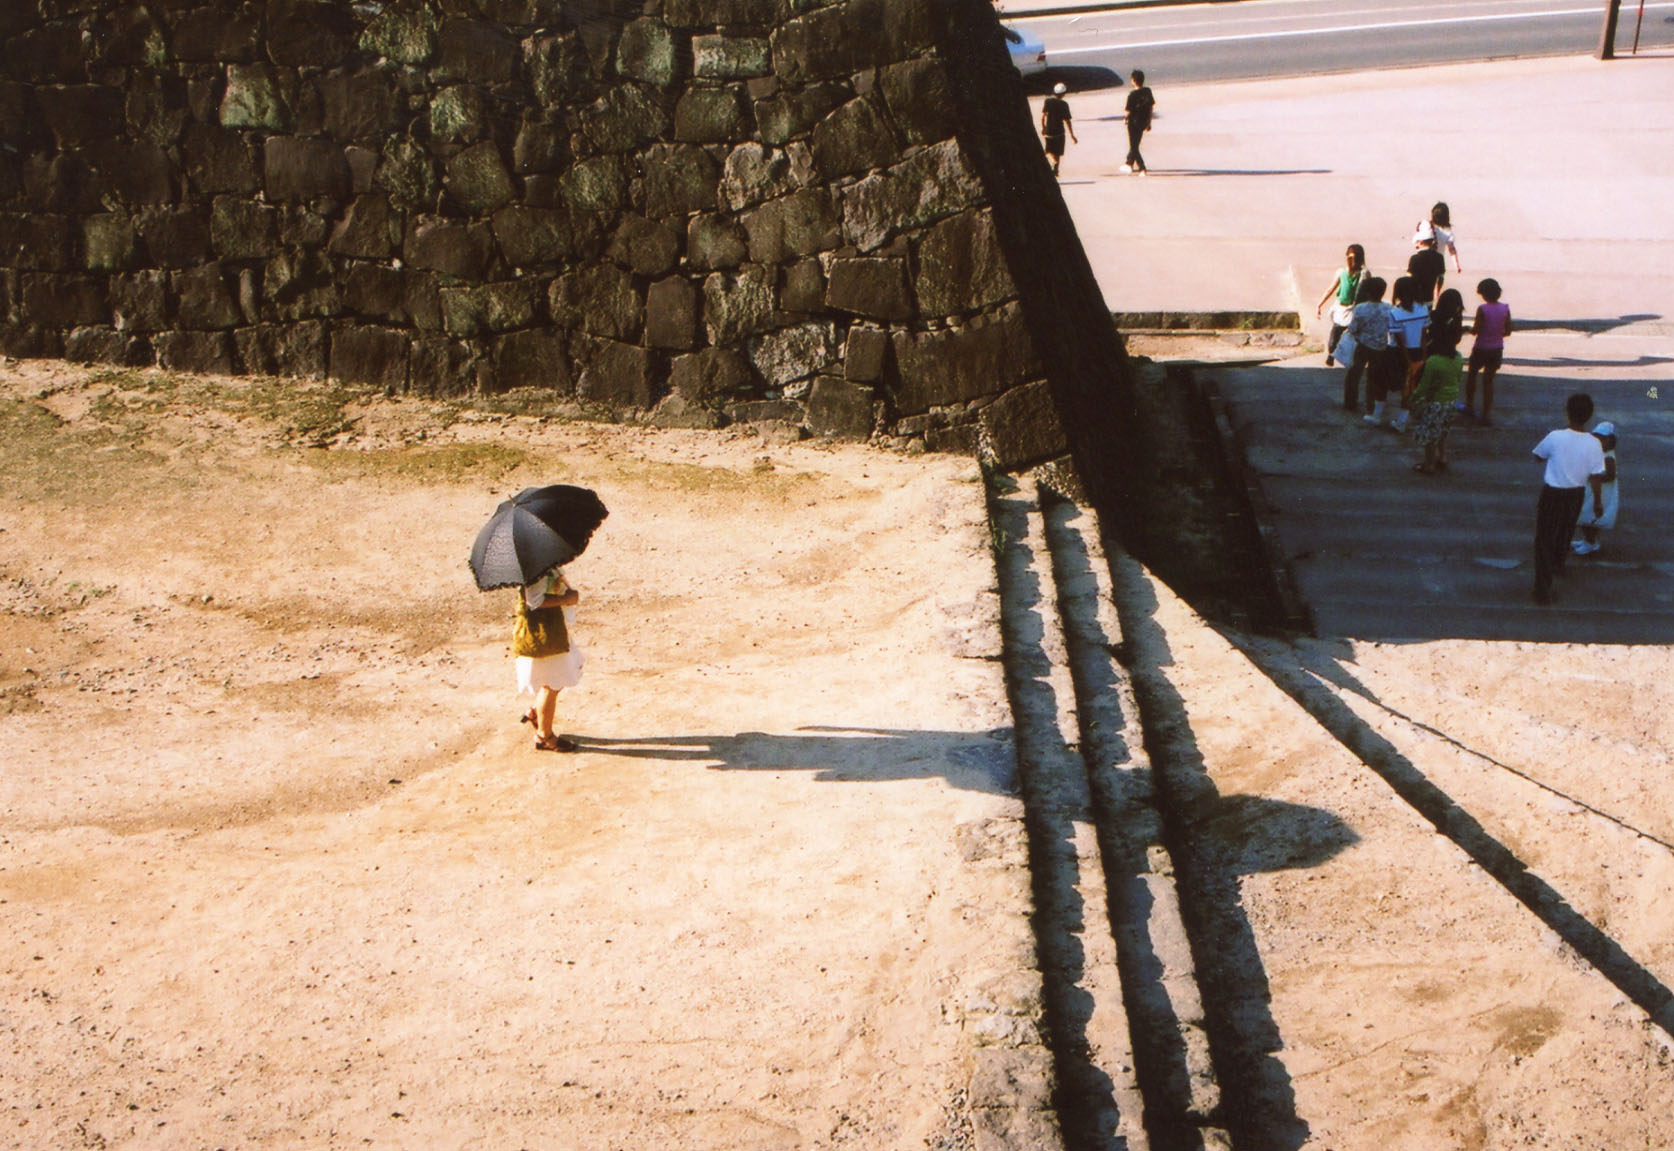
pixel 1432 404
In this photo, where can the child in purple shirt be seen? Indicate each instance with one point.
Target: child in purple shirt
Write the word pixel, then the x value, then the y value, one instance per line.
pixel 1490 327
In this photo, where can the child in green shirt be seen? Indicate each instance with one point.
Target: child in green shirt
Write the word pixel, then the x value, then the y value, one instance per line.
pixel 1432 405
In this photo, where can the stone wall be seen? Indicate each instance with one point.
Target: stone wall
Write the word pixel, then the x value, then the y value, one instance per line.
pixel 686 211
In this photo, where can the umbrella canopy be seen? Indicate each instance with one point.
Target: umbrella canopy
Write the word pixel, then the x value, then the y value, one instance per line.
pixel 532 533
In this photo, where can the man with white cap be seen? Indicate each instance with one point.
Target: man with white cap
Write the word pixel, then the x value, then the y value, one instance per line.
pixel 1055 120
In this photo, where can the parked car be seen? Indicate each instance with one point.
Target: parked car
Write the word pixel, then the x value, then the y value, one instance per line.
pixel 1028 54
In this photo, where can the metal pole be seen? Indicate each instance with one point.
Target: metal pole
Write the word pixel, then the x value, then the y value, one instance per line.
pixel 1637 25
pixel 1607 39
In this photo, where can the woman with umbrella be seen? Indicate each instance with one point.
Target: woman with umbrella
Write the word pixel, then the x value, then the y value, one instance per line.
pixel 525 545
pixel 548 660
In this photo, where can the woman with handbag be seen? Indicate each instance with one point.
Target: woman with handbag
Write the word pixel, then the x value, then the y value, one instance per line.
pixel 547 659
pixel 1342 293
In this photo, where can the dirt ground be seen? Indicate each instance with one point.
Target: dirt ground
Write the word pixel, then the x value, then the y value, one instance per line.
pixel 279 866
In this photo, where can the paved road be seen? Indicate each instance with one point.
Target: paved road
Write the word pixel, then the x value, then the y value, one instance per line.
pixel 1203 42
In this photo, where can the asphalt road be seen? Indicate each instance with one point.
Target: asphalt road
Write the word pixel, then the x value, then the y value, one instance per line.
pixel 1193 43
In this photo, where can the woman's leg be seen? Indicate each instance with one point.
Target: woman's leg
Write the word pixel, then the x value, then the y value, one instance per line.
pixel 1488 372
pixel 549 710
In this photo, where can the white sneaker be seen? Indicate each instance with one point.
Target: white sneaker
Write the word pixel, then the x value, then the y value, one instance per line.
pixel 1373 420
pixel 1583 548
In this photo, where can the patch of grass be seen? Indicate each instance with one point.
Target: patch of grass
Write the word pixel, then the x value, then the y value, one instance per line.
pixel 305 412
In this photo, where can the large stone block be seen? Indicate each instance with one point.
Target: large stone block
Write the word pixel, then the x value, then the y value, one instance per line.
pixel 477 51
pixel 405 34
pixel 461 250
pixel 216 35
pixel 310 33
pixel 254 99
pixel 533 359
pixel 645 247
pixel 63 301
pixel 300 284
pixel 156 108
pixel 873 286
pixel 1021 428
pixel 671 314
pixel 478 309
pixel 375 292
pixel 961 268
pixel 140 302
pixel 596 185
pixel 981 358
pixel 215 160
pixel 459 115
pixel 99 345
pixel 737 303
pixel 711 375
pixel 364 354
pixel 297 350
pixel 559 69
pixel 175 237
pixel 678 179
pixel 726 13
pixel 36 242
pixel 477 179
pixel 359 105
pixel 624 118
pixel 725 57
pixel 619 375
pixel 441 367
pixel 713 115
pixel 925 187
pixel 241 229
pixel 369 230
pixel 80 115
pixel 60 183
pixel 540 147
pixel 207 353
pixel 865 354
pixel 802 287
pixel 299 168
pixel 789 113
pixel 647 51
pixel 203 300
pixel 787 355
pixel 919 100
pixel 826 44
pixel 135 172
pixel 800 224
pixel 407 172
pixel 853 139
pixel 107 241
pixel 754 174
pixel 841 409
pixel 714 242
pixel 533 236
pixel 600 300
pixel 50 54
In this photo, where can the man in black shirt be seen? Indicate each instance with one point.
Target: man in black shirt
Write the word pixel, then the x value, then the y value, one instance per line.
pixel 1054 121
pixel 1141 104
pixel 1426 267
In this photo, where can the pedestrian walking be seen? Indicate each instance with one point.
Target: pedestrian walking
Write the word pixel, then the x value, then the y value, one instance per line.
pixel 1055 120
pixel 1441 227
pixel 1366 336
pixel 1432 406
pixel 1426 266
pixel 548 658
pixel 1490 326
pixel 1141 107
pixel 1573 457
pixel 1600 510
pixel 1342 293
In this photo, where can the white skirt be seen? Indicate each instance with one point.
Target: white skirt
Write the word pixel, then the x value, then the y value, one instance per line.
pixel 554 671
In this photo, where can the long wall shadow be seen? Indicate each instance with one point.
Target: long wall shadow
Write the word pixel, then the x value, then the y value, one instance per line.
pixel 1607 957
pixel 1259 1101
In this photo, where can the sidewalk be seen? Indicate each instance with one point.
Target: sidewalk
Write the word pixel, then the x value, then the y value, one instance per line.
pixel 1256 187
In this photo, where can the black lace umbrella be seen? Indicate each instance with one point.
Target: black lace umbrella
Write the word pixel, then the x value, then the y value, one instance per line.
pixel 533 532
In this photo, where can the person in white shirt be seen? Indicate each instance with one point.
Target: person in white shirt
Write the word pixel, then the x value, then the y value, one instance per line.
pixel 1573 457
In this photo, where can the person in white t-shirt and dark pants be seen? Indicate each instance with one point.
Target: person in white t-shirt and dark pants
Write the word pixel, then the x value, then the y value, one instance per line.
pixel 1574 459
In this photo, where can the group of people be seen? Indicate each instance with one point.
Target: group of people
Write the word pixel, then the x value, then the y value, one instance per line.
pixel 1056 121
pixel 1408 347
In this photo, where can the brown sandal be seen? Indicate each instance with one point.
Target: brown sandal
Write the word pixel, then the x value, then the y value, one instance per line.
pixel 554 743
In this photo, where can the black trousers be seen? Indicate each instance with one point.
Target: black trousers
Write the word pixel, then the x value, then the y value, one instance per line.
pixel 1555 518
pixel 1134 158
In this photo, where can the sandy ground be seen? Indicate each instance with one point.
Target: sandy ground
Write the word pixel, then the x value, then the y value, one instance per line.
pixel 278 866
